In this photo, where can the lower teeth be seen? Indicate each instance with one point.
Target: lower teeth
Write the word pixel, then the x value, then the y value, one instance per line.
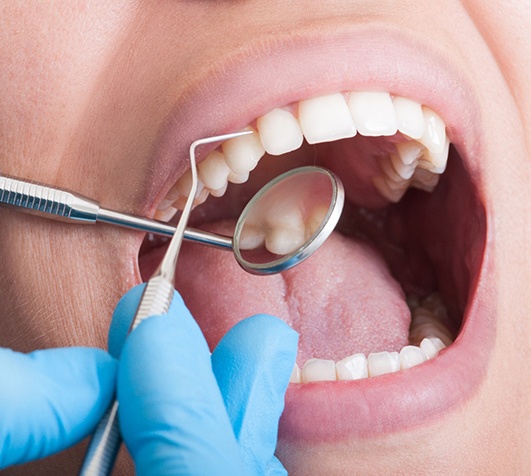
pixel 428 333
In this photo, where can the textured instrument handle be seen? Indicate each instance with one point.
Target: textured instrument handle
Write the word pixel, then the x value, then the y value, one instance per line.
pixel 47 200
pixel 106 440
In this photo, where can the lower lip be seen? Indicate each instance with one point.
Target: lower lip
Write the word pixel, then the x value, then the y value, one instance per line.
pixel 337 411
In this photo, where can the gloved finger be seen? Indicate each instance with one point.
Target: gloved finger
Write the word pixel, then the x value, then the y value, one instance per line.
pixel 253 365
pixel 171 411
pixel 51 399
pixel 122 317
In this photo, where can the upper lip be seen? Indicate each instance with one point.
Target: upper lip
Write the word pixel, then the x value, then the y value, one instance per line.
pixel 372 57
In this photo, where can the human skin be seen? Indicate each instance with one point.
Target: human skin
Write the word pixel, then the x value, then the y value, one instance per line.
pixel 87 93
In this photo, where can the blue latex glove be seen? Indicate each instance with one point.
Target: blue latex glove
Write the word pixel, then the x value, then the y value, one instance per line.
pixel 184 412
pixel 51 399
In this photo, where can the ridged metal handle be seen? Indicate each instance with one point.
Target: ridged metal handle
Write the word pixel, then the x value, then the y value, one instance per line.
pixel 39 198
pixel 106 440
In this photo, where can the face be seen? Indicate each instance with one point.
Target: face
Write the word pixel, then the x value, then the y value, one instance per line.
pixel 105 100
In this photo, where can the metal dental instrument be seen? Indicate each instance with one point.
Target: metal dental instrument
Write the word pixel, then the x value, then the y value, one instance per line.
pixel 156 300
pixel 66 206
pixel 313 186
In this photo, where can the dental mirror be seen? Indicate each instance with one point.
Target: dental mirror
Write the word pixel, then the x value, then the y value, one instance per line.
pixel 288 220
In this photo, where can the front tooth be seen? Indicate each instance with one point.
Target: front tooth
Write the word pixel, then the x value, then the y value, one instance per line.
pixel 214 171
pixel 373 113
pixel 409 117
pixel 434 136
pixel 326 118
pixel 381 363
pixel 318 370
pixel 410 356
pixel 296 374
pixel 243 153
pixel 279 132
pixel 353 367
pixel 165 215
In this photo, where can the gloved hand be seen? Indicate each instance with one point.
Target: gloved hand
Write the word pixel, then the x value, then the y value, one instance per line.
pixel 184 412
pixel 51 399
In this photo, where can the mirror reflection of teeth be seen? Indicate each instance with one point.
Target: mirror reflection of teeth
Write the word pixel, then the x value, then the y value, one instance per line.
pixel 420 142
pixel 428 336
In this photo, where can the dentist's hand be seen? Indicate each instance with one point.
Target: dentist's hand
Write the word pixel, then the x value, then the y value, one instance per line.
pixel 184 412
pixel 51 399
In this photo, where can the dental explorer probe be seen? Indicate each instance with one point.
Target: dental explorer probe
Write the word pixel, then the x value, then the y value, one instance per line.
pixel 156 300
pixel 67 206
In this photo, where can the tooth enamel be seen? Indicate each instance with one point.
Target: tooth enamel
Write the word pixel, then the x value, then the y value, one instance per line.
pixel 296 376
pixel 314 221
pixel 434 136
pixel 325 118
pixel 165 215
pixel 252 237
pixel 381 363
pixel 382 185
pixel 409 117
pixel 424 323
pixel 436 162
pixel 286 230
pixel 353 367
pixel 318 370
pixel 405 171
pixel 373 113
pixel 284 239
pixel 214 171
pixel 425 180
pixel 431 346
pixel 410 356
pixel 409 151
pixel 219 192
pixel 243 153
pixel 238 178
pixel 279 132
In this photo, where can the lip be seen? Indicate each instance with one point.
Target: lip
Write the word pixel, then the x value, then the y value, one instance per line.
pixel 242 86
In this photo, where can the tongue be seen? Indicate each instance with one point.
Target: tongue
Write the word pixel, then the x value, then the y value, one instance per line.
pixel 342 300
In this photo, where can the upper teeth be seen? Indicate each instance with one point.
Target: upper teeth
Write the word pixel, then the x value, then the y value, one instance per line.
pixel 420 157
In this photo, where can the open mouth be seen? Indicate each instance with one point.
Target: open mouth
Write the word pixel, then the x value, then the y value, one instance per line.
pixel 387 309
